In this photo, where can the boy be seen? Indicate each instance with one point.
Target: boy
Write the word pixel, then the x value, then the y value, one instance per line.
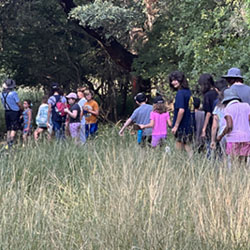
pixel 141 115
pixel 91 112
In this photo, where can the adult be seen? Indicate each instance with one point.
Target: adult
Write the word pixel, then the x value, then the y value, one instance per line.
pixel 235 80
pixel 12 107
pixel 58 121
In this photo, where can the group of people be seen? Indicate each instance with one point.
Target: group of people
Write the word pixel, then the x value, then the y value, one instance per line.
pixel 223 124
pixel 75 112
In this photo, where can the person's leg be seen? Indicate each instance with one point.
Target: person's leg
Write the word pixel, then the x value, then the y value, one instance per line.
pixel 93 128
pixel 87 130
pixel 82 131
pixel 179 145
pixel 188 149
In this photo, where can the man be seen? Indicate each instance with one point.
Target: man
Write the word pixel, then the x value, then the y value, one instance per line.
pixel 235 80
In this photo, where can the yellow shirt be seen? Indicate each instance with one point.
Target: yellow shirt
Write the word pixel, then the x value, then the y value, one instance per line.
pixel 91 105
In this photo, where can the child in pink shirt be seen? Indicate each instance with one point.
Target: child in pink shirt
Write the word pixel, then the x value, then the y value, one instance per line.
pixel 237 130
pixel 159 118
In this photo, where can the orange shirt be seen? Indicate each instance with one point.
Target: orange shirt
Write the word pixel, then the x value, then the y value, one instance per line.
pixel 92 105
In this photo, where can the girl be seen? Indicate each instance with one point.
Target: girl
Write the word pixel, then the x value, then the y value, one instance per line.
pixel 159 118
pixel 237 130
pixel 27 119
pixel 206 82
pixel 74 114
pixel 184 121
pixel 41 119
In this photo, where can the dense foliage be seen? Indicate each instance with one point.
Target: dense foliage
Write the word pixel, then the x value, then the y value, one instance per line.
pixel 105 44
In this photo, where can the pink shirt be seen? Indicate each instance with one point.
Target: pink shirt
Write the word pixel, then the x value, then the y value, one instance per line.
pixel 239 112
pixel 160 123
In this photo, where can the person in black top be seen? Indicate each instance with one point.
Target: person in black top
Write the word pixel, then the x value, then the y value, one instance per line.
pixel 74 116
pixel 206 83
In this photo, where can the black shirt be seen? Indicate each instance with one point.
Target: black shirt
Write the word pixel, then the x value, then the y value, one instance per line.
pixel 72 108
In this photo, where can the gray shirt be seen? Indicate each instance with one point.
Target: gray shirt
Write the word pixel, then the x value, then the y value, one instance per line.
pixel 199 121
pixel 141 115
pixel 243 91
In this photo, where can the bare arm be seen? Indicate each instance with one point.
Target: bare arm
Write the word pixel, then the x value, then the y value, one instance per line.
pixel 149 125
pixel 178 120
pixel 71 114
pixel 29 118
pixel 214 131
pixel 228 128
pixel 169 123
pixel 208 115
pixel 124 126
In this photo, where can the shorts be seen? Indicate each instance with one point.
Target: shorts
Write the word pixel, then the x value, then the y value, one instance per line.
pixel 157 139
pixel 238 148
pixel 12 120
pixel 183 137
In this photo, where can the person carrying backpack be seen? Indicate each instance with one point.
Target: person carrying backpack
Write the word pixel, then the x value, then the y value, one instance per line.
pixel 57 103
pixel 12 107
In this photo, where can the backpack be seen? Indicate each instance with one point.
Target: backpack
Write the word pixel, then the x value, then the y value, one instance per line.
pixel 42 116
pixel 58 109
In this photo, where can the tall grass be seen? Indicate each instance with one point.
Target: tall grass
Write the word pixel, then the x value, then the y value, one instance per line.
pixel 112 194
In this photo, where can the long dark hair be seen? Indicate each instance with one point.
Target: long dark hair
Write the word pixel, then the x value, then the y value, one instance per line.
pixel 180 77
pixel 206 82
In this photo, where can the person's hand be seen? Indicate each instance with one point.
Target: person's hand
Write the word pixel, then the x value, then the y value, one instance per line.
pixel 203 134
pixel 141 126
pixel 66 110
pixel 213 145
pixel 174 129
pixel 121 132
pixel 26 130
pixel 219 138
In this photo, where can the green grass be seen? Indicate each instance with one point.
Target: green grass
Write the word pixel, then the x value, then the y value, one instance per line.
pixel 112 194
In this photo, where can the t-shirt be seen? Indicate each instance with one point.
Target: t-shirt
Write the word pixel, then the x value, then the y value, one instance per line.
pixel 42 115
pixel 12 100
pixel 243 91
pixel 208 106
pixel 160 123
pixel 78 109
pixel 91 105
pixel 199 120
pixel 141 115
pixel 240 115
pixel 183 100
pixel 220 112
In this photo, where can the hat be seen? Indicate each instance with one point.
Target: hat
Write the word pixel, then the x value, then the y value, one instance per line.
pixel 158 99
pixel 9 84
pixel 54 85
pixel 140 97
pixel 72 95
pixel 230 94
pixel 233 73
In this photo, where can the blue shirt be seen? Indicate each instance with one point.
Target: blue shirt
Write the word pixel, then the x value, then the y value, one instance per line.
pixel 12 100
pixel 141 115
pixel 182 100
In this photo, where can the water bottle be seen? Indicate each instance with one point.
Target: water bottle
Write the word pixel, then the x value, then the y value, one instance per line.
pixel 139 136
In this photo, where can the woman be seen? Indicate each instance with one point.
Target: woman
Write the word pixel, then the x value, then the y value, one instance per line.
pixel 12 106
pixel 183 122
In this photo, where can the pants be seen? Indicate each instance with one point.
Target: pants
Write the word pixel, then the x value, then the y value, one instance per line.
pixel 90 129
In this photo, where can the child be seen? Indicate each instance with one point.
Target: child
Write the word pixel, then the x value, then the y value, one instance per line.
pixel 74 116
pixel 91 112
pixel 219 123
pixel 41 119
pixel 27 119
pixel 199 121
pixel 237 130
pixel 141 115
pixel 183 122
pixel 159 118
pixel 82 101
